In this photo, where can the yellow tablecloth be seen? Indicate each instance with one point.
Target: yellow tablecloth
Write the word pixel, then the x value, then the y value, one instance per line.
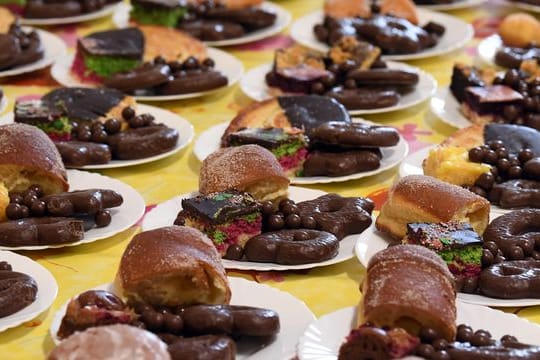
pixel 323 289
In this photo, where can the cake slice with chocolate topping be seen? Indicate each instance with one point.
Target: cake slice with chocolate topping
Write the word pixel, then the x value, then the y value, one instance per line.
pixel 481 104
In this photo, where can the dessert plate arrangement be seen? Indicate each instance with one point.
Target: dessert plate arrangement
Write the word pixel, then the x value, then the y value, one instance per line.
pixel 105 11
pixel 372 241
pixel 487 48
pixel 457 35
pixel 225 63
pixel 123 217
pixel 294 316
pixel 253 84
pixel 209 141
pixel 47 289
pixel 165 213
pixel 454 5
pixel 283 18
pixel 324 336
pixel 53 48
pixel 445 106
pixel 172 120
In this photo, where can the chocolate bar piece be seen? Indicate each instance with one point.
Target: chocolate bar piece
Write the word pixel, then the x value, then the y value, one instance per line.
pixel 127 43
pixel 35 112
pixel 491 99
pixel 464 76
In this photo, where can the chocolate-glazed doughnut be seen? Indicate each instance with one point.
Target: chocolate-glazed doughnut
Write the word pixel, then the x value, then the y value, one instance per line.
pixel 81 153
pixel 359 98
pixel 82 202
pixel 517 279
pixel 193 81
pixel 17 291
pixel 10 50
pixel 143 77
pixel 516 193
pixel 32 52
pixel 292 247
pixel 208 347
pixel 41 231
pixel 354 135
pixel 338 215
pixel 321 163
pixel 517 234
pixel 142 142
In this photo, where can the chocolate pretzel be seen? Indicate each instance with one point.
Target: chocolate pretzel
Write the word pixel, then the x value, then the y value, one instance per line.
pixel 41 231
pixel 82 202
pixel 516 193
pixel 80 153
pixel 517 279
pixel 354 135
pixel 321 163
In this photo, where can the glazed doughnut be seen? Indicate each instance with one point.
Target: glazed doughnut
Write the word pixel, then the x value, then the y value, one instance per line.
pixel 516 193
pixel 516 234
pixel 354 135
pixel 339 215
pixel 142 142
pixel 321 163
pixel 292 247
pixel 518 279
pixel 17 291
pixel 143 77
pixel 230 319
pixel 215 347
pixel 82 202
pixel 41 231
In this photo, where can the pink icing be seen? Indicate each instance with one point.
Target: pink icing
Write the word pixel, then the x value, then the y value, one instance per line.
pixel 237 229
pixel 78 68
pixel 293 161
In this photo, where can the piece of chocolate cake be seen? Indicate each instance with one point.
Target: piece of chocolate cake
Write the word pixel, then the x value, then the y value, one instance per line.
pixel 158 12
pixel 464 76
pixel 228 218
pixel 290 149
pixel 105 53
pixel 457 244
pixel 44 115
pixel 482 104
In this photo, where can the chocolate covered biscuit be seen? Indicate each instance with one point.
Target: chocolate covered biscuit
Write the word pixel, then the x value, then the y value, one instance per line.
pixel 387 77
pixel 344 163
pixel 41 231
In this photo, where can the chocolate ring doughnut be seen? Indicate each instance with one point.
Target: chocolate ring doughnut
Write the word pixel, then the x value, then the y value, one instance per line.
pixel 142 142
pixel 516 193
pixel 511 280
pixel 517 234
pixel 354 135
pixel 339 215
pixel 18 290
pixel 143 77
pixel 41 231
pixel 292 247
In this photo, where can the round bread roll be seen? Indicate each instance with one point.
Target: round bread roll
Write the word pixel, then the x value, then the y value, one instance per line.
pixel 520 30
pixel 28 156
pixel 112 342
pixel 173 266
pixel 249 168
pixel 4 201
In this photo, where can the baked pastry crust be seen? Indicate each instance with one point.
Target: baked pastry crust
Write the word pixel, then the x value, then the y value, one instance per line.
pixel 419 198
pixel 346 8
pixel 409 286
pixel 468 137
pixel 173 266
pixel 28 156
pixel 171 44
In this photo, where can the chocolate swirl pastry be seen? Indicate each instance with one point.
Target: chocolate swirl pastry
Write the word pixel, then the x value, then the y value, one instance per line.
pixel 17 290
pixel 19 47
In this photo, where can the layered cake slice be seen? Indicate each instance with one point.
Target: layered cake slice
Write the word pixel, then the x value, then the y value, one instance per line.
pixel 455 242
pixel 289 148
pixel 464 76
pixel 157 12
pixel 482 104
pixel 40 113
pixel 227 218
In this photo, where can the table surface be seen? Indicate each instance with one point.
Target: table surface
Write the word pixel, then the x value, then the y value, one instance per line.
pixel 323 289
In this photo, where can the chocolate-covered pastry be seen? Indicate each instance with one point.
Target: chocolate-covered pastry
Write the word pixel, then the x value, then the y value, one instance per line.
pixel 343 163
pixel 518 279
pixel 512 57
pixel 19 47
pixel 354 135
pixel 388 77
pixel 356 99
pixel 464 76
pixel 212 30
pixel 146 76
pixel 41 231
pixel 250 17
pixel 82 202
pixel 10 50
pixel 142 142
pixel 38 9
pixel 207 347
pixel 128 43
pixel 514 137
pixel 79 153
pixel 190 81
pixel 516 193
pixel 17 290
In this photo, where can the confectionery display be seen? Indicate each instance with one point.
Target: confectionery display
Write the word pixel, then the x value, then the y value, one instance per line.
pixel 94 126
pixel 146 60
pixel 390 25
pixel 206 20
pixel 210 253
pixel 350 72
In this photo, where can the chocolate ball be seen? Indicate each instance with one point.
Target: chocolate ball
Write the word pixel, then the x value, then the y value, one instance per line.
pixel 491 246
pixel 191 63
pixel 173 323
pixel 102 218
pixel 267 208
pixel 285 202
pixel 482 332
pixel 128 113
pixel 234 252
pixel 514 161
pixel 148 119
pixel 99 136
pixel 160 60
pixel 485 181
pixel 38 208
pixel 14 211
pixel 501 153
pixel 136 122
pixel 334 68
pixel 112 126
pixel 495 144
pixel 441 355
pixel 490 157
pixel 36 189
pixel 293 221
pixel 209 63
pixel 16 198
pixel 428 335
pixel 153 320
pixel 509 339
pixel 425 350
pixel 329 80
pixel 531 169
pixel 5 266
pixel 515 172
pixel 84 134
pixel 511 77
pixel 516 253
pixel 503 165
pixel 276 222
pixel 529 103
pixel 480 339
pixel 309 222
pixel 470 285
pixel 525 155
pixel 175 65
pixel 476 154
pixel 440 344
pixel 318 88
pixel 464 333
pixel 29 199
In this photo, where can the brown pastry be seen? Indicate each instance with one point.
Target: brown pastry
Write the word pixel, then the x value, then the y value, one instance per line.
pixel 321 163
pixel 418 198
pixel 347 8
pixel 171 44
pixel 18 290
pixel 27 157
pixel 409 287
pixel 173 266
pixel 405 9
pixel 247 168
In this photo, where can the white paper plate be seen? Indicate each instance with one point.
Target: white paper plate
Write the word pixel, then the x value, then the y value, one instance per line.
pixel 460 4
pixel 123 217
pixel 372 241
pixel 209 141
pixel 283 18
pixel 184 127
pixel 47 289
pixel 165 213
pixel 3 103
pixel 487 48
pixel 523 6
pixel 253 84
pixel 324 336
pixel 445 106
pixel 457 34
pixel 227 64
pixel 105 11
pixel 294 317
pixel 53 47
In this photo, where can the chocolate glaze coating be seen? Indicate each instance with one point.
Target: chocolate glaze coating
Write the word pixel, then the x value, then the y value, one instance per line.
pixel 143 77
pixel 387 77
pixel 43 10
pixel 354 135
pixel 193 81
pixel 518 279
pixel 128 43
pixel 362 98
pixel 321 163
pixel 517 193
pixel 17 291
pixel 142 142
pixel 41 231
pixel 212 30
pixel 82 202
pixel 81 153
pixel 208 347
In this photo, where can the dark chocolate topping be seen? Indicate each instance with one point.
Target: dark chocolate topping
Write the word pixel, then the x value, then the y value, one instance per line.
pixel 159 4
pixel 514 137
pixel 309 111
pixel 451 235
pixel 220 207
pixel 35 112
pixel 128 43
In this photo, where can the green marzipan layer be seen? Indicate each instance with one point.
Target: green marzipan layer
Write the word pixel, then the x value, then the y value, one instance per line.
pixel 468 254
pixel 157 16
pixel 106 66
